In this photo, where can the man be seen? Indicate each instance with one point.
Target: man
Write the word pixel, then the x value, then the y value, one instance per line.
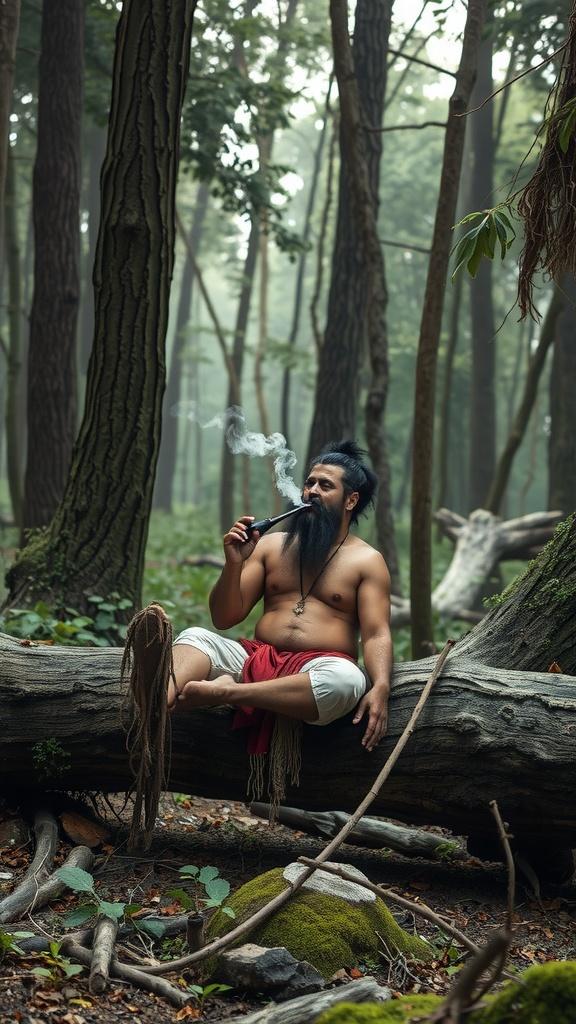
pixel 321 586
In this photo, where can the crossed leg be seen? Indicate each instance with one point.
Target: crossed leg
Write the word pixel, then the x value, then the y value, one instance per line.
pixel 291 695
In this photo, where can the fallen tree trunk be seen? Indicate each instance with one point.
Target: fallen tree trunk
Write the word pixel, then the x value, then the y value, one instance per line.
pixel 481 542
pixel 486 734
pixel 370 832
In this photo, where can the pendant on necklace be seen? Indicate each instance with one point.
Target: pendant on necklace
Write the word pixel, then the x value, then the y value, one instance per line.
pixel 299 608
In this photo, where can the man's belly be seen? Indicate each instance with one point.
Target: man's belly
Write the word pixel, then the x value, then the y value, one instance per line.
pixel 317 629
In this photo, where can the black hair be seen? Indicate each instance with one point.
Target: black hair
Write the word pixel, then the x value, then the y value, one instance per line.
pixel 349 456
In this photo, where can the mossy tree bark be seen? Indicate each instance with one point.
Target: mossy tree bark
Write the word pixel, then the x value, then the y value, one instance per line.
pixel 533 623
pixel 52 403
pixel 95 542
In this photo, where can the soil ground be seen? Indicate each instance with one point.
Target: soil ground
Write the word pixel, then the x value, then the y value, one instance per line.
pixel 202 832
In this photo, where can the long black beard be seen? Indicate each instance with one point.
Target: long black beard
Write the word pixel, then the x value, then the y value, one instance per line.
pixel 310 536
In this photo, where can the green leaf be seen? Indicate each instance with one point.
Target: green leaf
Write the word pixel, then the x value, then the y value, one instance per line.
pixel 502 235
pixel 229 912
pixel 218 889
pixel 71 969
pixel 132 908
pixel 214 988
pixel 475 259
pixel 79 916
pixel 41 972
pixel 189 869
pixel 197 990
pixel 207 874
pixel 112 910
pixel 76 879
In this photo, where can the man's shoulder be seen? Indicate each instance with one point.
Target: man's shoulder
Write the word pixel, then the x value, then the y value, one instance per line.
pixel 368 557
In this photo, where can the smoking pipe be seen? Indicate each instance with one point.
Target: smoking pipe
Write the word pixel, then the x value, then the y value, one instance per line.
pixel 262 525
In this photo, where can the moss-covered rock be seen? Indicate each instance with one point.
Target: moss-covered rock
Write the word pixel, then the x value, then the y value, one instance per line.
pixel 326 930
pixel 400 1011
pixel 543 995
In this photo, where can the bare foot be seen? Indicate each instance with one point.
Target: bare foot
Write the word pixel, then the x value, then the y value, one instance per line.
pixel 204 693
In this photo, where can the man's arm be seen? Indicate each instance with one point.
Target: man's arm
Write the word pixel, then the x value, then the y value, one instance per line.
pixel 241 582
pixel 374 619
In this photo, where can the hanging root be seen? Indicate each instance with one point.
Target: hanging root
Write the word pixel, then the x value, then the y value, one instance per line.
pixel 547 204
pixel 148 660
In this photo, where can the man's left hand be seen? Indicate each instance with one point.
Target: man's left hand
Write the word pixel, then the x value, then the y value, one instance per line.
pixel 375 705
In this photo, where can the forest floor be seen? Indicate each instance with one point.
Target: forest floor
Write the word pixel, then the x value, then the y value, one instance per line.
pixel 208 832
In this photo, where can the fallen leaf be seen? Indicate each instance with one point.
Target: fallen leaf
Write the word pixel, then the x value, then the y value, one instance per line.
pixel 82 830
pixel 554 667
pixel 188 1013
pixel 355 973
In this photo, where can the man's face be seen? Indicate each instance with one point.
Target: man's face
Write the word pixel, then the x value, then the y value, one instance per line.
pixel 317 531
pixel 325 485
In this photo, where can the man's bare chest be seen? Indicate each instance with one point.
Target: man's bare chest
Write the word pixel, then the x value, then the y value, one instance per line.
pixel 335 585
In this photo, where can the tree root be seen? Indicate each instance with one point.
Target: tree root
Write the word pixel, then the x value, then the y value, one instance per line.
pixel 158 986
pixel 105 934
pixel 46 833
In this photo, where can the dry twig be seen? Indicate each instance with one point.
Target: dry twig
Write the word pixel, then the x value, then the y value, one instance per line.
pixel 159 986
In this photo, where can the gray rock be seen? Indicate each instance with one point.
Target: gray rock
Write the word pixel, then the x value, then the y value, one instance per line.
pixel 268 970
pixel 303 982
pixel 322 881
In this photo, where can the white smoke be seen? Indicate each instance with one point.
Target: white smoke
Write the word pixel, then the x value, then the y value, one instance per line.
pixel 242 441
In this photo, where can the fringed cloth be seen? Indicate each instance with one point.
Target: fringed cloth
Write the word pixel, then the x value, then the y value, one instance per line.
pixel 148 656
pixel 271 734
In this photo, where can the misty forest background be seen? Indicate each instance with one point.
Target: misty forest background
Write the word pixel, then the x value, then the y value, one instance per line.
pixel 268 302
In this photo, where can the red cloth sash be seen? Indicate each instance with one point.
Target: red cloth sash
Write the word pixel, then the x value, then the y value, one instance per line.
pixel 265 662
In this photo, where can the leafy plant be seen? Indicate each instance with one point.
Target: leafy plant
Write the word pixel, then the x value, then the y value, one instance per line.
pixel 208 890
pixel 9 942
pixel 203 991
pixel 494 229
pixel 58 968
pixel 82 881
pixel 50 759
pixel 67 626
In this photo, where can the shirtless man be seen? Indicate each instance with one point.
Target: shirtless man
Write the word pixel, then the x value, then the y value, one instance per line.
pixel 321 587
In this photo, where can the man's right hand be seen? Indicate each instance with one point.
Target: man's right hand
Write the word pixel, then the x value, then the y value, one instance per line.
pixel 238 544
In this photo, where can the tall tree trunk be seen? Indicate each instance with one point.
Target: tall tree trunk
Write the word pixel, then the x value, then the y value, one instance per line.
pixel 228 461
pixel 340 358
pixel 164 486
pixel 298 294
pixel 54 316
pixel 562 442
pixel 96 143
pixel 551 330
pixel 482 452
pixel 14 376
pixel 430 326
pixel 96 540
pixel 9 22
